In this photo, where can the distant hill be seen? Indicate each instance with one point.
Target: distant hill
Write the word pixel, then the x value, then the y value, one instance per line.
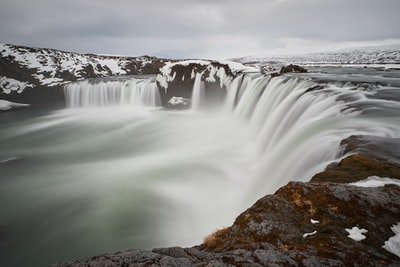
pixel 361 55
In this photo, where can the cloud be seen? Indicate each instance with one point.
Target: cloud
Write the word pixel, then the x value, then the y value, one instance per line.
pixel 191 28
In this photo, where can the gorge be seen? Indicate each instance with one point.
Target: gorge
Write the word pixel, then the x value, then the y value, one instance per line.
pixel 120 168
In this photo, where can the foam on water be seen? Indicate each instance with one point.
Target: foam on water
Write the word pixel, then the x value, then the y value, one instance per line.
pixel 100 179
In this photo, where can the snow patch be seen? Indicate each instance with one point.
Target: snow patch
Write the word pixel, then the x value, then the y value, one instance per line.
pixel 387 56
pixel 356 233
pixel 314 221
pixel 9 85
pixel 309 234
pixel 375 181
pixel 393 243
pixel 175 100
pixel 7 105
pixel 239 67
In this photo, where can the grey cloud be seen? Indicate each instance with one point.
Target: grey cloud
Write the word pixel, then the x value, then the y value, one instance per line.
pixel 191 28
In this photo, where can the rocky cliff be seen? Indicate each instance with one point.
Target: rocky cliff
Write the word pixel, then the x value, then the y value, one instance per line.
pixel 36 75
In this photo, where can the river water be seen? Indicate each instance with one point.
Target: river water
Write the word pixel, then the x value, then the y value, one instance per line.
pixel 117 171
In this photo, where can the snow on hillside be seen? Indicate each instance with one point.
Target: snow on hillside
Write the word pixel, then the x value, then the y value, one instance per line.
pixel 50 67
pixel 384 55
pixel 10 85
pixel 214 68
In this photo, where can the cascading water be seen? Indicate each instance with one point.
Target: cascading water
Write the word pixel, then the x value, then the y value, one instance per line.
pixel 133 91
pixel 198 93
pixel 90 181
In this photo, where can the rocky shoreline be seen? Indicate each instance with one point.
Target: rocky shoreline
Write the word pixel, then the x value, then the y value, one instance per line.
pixel 324 222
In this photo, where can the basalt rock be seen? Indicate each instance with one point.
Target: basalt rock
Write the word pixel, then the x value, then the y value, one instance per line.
pixel 177 80
pixel 355 168
pixel 371 156
pixel 292 69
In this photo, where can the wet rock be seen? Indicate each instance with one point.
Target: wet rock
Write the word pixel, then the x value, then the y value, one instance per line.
pixel 179 103
pixel 373 156
pixel 177 80
pixel 355 168
pixel 381 148
pixel 292 69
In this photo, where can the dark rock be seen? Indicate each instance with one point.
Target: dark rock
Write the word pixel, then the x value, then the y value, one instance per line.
pixel 283 218
pixel 274 74
pixel 292 69
pixel 381 148
pixel 181 85
pixel 355 168
pixel 374 156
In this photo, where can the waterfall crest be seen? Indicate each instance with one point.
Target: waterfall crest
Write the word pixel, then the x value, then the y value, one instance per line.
pixel 132 92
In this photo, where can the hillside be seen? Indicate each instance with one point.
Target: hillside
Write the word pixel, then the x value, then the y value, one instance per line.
pixel 26 69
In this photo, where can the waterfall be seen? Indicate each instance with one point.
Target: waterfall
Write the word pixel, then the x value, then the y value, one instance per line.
pixel 297 130
pixel 133 92
pixel 155 178
pixel 198 93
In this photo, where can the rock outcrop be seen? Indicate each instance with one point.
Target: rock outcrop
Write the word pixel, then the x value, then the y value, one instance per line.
pixel 370 156
pixel 36 75
pixel 177 80
pixel 292 69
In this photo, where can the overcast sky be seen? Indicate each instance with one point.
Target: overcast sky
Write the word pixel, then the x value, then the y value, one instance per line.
pixel 198 28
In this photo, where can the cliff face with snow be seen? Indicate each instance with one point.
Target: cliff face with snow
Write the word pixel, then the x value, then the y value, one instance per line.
pixel 37 75
pixel 24 70
pixel 176 79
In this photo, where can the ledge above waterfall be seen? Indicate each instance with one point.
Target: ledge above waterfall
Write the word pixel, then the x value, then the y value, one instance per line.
pixel 176 79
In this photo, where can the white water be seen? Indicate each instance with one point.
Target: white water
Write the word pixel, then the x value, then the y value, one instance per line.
pixel 132 92
pixel 198 92
pixel 98 179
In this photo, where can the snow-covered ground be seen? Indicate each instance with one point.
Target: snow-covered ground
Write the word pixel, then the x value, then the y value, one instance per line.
pixel 393 244
pixel 7 105
pixel 356 233
pixel 384 55
pixel 375 181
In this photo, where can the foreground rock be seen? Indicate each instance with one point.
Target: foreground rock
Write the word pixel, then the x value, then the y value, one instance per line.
pixel 302 224
pixel 285 221
pixel 374 156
